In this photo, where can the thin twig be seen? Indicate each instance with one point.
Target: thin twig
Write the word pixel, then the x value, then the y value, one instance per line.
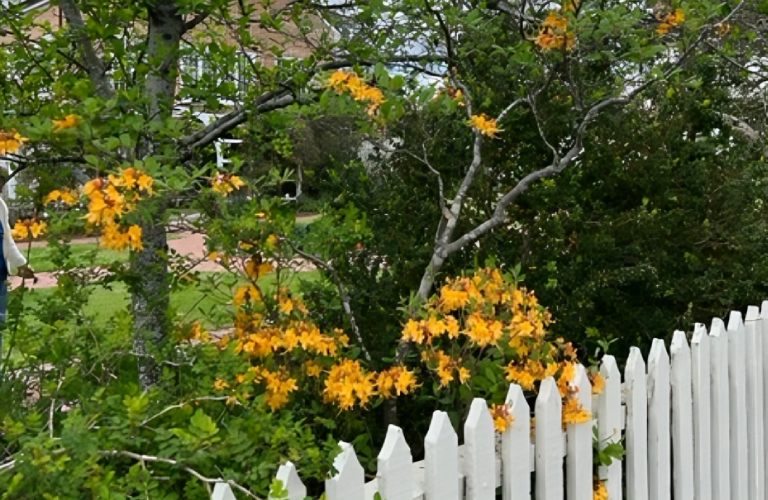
pixel 343 294
pixel 150 458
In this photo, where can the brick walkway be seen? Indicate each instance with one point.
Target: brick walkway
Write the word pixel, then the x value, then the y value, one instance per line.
pixel 191 245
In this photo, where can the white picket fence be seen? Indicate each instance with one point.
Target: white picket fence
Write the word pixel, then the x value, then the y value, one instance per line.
pixel 693 424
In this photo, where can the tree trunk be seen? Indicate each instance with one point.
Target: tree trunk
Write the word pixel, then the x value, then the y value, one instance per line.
pixel 150 298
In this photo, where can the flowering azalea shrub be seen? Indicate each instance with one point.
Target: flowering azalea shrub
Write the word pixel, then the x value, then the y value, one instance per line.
pixel 284 350
pixel 483 327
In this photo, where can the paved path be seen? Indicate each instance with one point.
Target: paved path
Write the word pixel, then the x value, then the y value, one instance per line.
pixel 191 245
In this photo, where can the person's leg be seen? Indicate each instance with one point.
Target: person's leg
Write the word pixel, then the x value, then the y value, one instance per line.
pixel 3 314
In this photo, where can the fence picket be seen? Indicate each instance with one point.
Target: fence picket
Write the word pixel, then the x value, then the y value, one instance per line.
pixel 549 442
pixel 609 423
pixel 479 452
pixel 721 417
pixel 682 417
pixel 291 482
pixel 578 462
pixel 441 459
pixel 740 476
pixel 755 428
pixel 702 432
pixel 763 332
pixel 659 473
pixel 516 448
pixel 637 426
pixel 395 467
pixel 349 483
pixel 222 491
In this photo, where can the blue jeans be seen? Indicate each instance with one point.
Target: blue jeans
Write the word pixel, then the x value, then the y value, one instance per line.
pixel 3 301
pixel 3 313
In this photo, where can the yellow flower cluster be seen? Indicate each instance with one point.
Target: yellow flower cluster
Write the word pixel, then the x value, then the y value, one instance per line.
pixel 397 379
pixel 471 314
pixel 670 21
pixel 65 195
pixel 11 142
pixel 347 385
pixel 485 125
pixel 110 199
pixel 226 184
pixel 555 33
pixel 22 230
pixel 342 81
pixel 69 121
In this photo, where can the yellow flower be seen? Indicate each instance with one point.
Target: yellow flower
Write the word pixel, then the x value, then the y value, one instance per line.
pixel 522 377
pixel 38 228
pixel 598 383
pixel 213 255
pixel 414 331
pixel 601 492
pixel 485 125
pixel 554 33
pixel 220 385
pixel 225 184
pixel 313 369
pixel 20 231
pixel 453 299
pixel 256 268
pixel 134 236
pixel 574 413
pixel 145 183
pixel 286 306
pixel 11 142
pixel 246 293
pixel 670 21
pixel 502 418
pixel 464 375
pixel 272 240
pixel 69 121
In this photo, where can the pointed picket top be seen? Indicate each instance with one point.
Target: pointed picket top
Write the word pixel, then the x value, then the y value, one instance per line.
pixel 578 466
pixel 480 452
pixel 441 459
pixel 288 475
pixel 659 452
pixel 740 474
pixel 609 423
pixel 755 417
pixel 222 491
pixel 516 448
pixel 682 416
pixel 349 483
pixel 720 414
pixel 637 426
pixel 395 471
pixel 702 421
pixel 549 442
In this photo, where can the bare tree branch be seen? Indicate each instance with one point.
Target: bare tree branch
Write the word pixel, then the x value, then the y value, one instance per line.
pixel 150 458
pixel 343 295
pixel 192 23
pixel 94 65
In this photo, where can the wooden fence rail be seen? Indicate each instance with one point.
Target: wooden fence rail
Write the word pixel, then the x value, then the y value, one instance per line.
pixel 692 420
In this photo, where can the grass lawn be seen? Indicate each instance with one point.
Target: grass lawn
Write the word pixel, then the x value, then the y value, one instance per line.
pixel 204 301
pixel 83 254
